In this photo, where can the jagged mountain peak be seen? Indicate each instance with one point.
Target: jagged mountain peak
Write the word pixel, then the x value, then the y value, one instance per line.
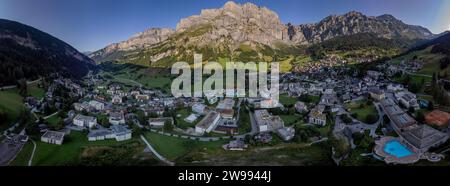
pixel 233 27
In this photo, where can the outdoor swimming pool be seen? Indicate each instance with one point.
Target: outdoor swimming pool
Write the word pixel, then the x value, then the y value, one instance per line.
pixel 396 149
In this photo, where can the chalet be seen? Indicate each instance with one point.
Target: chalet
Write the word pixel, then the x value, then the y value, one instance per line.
pixel 142 97
pixel 317 117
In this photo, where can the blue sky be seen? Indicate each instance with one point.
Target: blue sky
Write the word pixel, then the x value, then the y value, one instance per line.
pixel 92 24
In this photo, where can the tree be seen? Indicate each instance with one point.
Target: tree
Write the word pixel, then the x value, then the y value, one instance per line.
pixel 346 119
pixel 420 116
pixel 137 130
pixel 22 86
pixel 386 120
pixel 430 106
pixel 168 127
pixel 3 116
pixel 371 118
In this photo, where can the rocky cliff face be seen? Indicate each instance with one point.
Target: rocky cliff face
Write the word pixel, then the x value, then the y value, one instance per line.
pixel 239 23
pixel 138 41
pixel 238 28
pixel 385 26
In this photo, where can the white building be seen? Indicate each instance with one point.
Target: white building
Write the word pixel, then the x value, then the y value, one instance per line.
pixel 208 123
pixel 199 108
pixel 395 87
pixel 408 99
pixel 159 122
pixel 116 118
pixel 53 137
pixel 266 122
pixel 191 118
pixel 97 105
pixel 317 117
pixel 121 132
pixel 118 132
pixel 116 99
pixel 100 134
pixel 84 121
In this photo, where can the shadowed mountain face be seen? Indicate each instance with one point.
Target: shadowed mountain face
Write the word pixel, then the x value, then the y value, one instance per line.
pixel 26 52
pixel 247 32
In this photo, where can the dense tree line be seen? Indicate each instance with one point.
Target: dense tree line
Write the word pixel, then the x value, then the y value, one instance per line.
pixel 3 116
pixel 355 42
pixel 439 92
pixel 40 56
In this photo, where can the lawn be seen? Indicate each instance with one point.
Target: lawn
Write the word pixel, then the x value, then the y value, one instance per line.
pixel 280 154
pixel 35 91
pixel 173 147
pixel 361 112
pixel 49 154
pixel 290 119
pixel 183 114
pixel 11 103
pixel 286 100
pixel 244 121
pixel 54 120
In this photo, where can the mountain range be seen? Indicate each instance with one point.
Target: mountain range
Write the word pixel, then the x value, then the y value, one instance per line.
pixel 249 32
pixel 26 52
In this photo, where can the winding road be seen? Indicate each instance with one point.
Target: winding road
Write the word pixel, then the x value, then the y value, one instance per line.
pixel 159 156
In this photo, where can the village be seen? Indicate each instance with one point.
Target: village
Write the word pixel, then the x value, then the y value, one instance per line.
pixel 329 104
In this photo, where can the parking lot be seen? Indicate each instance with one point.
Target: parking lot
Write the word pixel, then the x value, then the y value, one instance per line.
pixel 10 147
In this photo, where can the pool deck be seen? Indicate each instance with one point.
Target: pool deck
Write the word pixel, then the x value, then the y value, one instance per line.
pixel 388 158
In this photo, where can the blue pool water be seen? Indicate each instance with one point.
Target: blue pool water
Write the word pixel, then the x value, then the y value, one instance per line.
pixel 397 149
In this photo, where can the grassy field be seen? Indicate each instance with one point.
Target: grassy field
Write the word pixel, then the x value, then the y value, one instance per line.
pixel 290 119
pixel 172 147
pixel 54 120
pixel 244 121
pixel 49 154
pixel 286 100
pixel 361 112
pixel 183 114
pixel 35 91
pixel 279 154
pixel 11 103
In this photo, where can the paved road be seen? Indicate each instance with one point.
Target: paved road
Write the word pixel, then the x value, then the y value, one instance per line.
pixel 14 86
pixel 159 156
pixel 32 153
pixel 46 117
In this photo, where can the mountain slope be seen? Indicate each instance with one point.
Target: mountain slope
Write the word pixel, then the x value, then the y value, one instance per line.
pixel 251 33
pixel 434 55
pixel 26 52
